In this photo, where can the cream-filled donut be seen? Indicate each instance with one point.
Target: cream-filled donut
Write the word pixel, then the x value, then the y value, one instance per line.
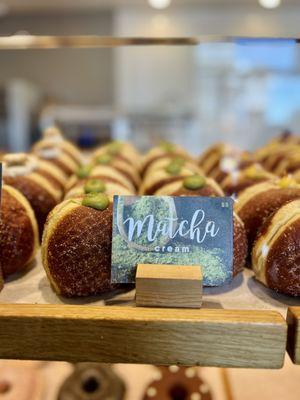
pixel 276 253
pixel 76 247
pixel 19 239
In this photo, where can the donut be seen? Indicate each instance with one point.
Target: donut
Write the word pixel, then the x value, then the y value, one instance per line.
pixel 92 381
pixel 187 186
pixel 20 383
pixel 19 240
pixel 123 151
pixel 53 174
pixel 105 172
pixel 256 203
pixel 55 155
pixel 76 246
pixel 164 149
pixel 99 186
pixel 163 162
pixel 174 171
pixel 53 138
pixel 123 167
pixel 220 159
pixel 199 186
pixel 178 383
pixel 239 180
pixel 276 253
pixel 22 173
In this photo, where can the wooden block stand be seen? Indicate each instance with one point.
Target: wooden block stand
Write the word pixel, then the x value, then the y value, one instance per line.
pixel 172 286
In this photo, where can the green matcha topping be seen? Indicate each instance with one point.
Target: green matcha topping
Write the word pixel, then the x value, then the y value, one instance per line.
pixel 173 168
pixel 114 148
pixel 98 201
pixel 94 186
pixel 104 159
pixel 167 146
pixel 178 160
pixel 84 171
pixel 194 182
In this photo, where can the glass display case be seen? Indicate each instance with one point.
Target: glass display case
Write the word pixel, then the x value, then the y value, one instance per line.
pixel 194 92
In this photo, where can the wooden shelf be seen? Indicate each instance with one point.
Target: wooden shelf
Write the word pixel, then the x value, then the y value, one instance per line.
pixel 240 325
pixel 293 347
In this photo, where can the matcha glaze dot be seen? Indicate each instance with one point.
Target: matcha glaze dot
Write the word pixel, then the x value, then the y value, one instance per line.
pixel 194 182
pixel 104 159
pixel 84 172
pixel 94 185
pixel 98 201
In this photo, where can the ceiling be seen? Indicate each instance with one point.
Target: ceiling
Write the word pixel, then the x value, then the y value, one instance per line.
pixel 37 6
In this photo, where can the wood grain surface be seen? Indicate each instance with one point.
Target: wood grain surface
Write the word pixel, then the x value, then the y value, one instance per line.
pixel 293 343
pixel 175 286
pixel 113 334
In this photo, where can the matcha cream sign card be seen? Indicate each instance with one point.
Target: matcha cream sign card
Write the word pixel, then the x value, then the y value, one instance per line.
pixel 173 230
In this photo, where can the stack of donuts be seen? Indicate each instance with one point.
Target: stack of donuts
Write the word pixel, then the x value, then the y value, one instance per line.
pixel 33 184
pixel 56 194
pixel 266 189
pixel 76 247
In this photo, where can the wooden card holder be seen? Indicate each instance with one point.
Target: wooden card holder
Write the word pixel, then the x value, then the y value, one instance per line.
pixel 171 286
pixel 293 342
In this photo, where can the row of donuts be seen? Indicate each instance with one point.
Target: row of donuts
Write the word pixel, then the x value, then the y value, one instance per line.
pixel 76 248
pixel 267 201
pixel 33 184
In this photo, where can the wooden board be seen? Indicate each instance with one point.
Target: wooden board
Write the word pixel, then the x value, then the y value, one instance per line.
pixel 190 342
pixel 168 286
pixel 143 335
pixel 293 344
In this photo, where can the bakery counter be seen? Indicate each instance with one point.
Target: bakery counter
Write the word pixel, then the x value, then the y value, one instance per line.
pixel 240 325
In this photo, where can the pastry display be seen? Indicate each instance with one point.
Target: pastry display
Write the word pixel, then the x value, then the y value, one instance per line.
pixel 276 253
pixel 237 181
pixel 18 232
pixel 21 172
pixel 172 172
pixel 92 381
pixel 256 203
pixel 76 248
pixel 178 383
pixel 122 151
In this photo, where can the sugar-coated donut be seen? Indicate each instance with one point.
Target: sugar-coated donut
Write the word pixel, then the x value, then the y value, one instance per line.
pixel 178 383
pixel 92 381
pixel 23 175
pixel 276 253
pixel 174 171
pixel 164 149
pixel 18 232
pixel 256 203
pixel 76 246
pixel 53 138
pixel 124 168
pixel 239 180
pixel 122 151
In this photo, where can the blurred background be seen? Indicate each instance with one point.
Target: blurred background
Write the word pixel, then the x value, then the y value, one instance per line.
pixel 242 92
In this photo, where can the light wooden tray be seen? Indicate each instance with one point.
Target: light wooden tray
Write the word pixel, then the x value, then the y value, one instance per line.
pixel 240 325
